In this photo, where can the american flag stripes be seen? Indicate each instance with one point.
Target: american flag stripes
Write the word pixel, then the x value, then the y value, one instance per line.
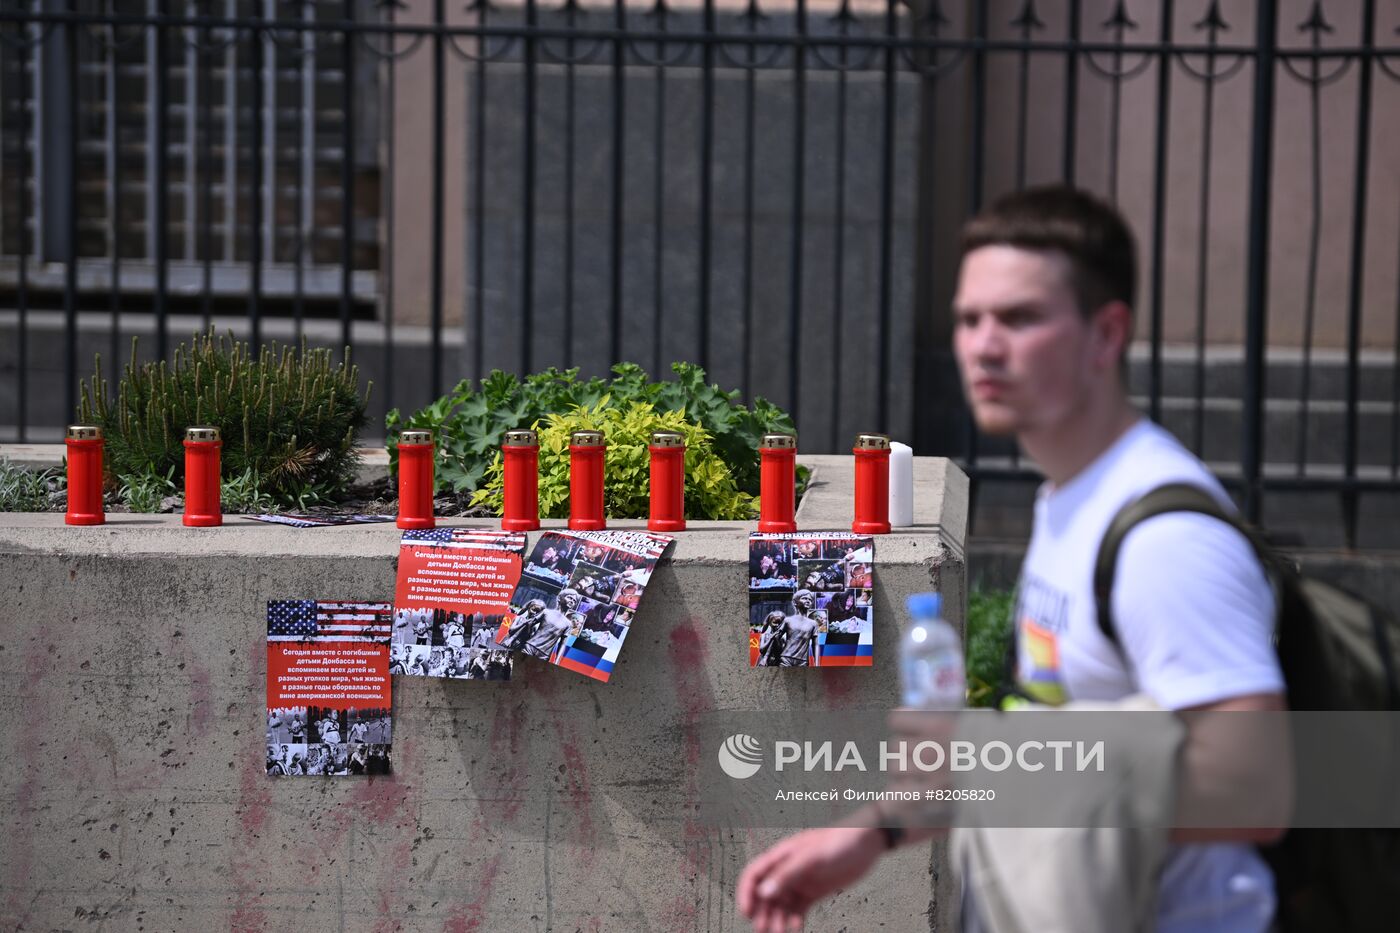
pixel 323 621
pixel 478 538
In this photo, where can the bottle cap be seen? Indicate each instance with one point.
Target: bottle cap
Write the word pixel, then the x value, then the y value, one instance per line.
pixel 84 432
pixel 586 439
pixel 667 439
pixel 202 432
pixel 523 437
pixel 872 442
pixel 924 605
pixel 415 437
pixel 780 441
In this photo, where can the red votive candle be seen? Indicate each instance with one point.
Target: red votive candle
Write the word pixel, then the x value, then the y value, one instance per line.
pixel 777 487
pixel 84 443
pixel 416 479
pixel 586 450
pixel 667 482
pixel 521 453
pixel 872 453
pixel 202 452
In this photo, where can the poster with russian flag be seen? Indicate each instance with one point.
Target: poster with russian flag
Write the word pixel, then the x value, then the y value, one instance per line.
pixel 811 600
pixel 577 596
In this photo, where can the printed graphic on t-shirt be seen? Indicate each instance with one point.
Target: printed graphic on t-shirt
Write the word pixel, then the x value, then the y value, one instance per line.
pixel 1042 612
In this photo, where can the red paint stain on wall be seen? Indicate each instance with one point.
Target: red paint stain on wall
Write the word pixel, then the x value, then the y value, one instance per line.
pixel 469 918
pixel 33 728
pixel 687 653
pixel 837 686
pixel 201 696
pixel 579 790
pixel 505 744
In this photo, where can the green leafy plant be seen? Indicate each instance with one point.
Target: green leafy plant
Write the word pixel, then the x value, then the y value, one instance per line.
pixel 287 416
pixel 244 493
pixel 24 490
pixel 989 618
pixel 146 490
pixel 710 490
pixel 470 423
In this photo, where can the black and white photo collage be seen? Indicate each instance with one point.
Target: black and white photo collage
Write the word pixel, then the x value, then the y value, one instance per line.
pixel 321 740
pixel 441 643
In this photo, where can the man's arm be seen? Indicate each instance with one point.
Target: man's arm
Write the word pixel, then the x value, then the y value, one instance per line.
pixel 1194 614
pixel 1236 766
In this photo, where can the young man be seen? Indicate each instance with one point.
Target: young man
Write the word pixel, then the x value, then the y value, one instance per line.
pixel 1042 322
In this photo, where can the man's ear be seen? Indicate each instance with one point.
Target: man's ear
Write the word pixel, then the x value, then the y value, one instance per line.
pixel 1113 331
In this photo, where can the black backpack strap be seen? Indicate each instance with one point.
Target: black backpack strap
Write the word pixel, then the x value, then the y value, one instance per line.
pixel 1174 497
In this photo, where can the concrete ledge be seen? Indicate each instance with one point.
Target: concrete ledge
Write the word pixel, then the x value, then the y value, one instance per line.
pixel 134 795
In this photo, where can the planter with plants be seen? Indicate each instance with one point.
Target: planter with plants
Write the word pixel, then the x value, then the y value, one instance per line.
pixel 722 437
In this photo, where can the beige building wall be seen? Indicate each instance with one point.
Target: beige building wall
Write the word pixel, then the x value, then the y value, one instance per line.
pixel 1219 231
pixel 409 226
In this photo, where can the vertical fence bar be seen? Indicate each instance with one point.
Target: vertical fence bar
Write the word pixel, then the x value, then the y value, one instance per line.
pixel 1203 246
pixel 618 165
pixel 28 153
pixel 799 177
pixel 1027 22
pixel 707 134
pixel 306 167
pixel 1395 383
pixel 231 141
pixel 191 111
pixel 255 201
pixel 70 268
pixel 974 188
pixel 750 103
pixel 659 196
pixel 269 116
pixel 159 217
pixel 154 79
pixel 1350 495
pixel 569 129
pixel 479 187
pixel 114 210
pixel 838 265
pixel 1068 155
pixel 347 176
pixel 206 144
pixel 527 195
pixel 1257 267
pixel 388 94
pixel 1314 238
pixel 439 145
pixel 886 218
pixel 1159 214
pixel 1120 23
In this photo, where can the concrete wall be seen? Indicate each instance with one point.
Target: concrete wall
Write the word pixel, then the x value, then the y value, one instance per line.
pixel 132 785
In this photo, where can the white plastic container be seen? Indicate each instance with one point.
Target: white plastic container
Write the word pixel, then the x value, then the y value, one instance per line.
pixel 901 485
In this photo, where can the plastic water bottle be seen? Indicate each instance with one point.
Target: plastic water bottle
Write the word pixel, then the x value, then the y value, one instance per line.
pixel 931 658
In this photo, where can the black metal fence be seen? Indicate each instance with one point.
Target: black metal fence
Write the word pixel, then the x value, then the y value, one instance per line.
pixel 770 190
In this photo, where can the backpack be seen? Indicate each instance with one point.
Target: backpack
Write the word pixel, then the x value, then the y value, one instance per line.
pixel 1337 652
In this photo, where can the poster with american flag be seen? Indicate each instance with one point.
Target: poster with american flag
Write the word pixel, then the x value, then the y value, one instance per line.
pixel 328 687
pixel 453 589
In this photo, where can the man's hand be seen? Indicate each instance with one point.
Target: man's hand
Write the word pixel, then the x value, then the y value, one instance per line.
pixel 777 889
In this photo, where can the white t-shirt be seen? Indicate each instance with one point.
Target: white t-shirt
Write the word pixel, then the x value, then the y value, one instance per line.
pixel 1194 612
